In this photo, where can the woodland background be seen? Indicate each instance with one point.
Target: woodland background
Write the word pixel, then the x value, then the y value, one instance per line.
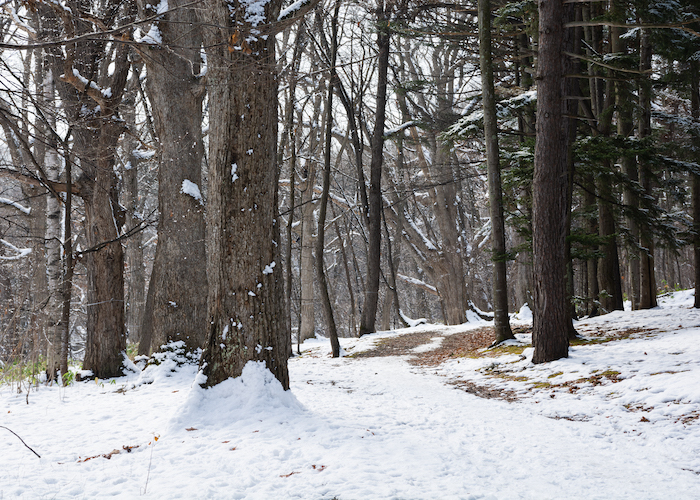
pixel 110 176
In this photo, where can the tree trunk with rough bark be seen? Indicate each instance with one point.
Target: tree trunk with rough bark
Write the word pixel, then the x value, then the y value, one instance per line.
pixel 176 312
pixel 498 237
pixel 246 313
pixel 91 92
pixel 549 336
pixel 695 110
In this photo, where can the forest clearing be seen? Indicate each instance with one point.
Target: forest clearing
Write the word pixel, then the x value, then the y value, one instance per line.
pixel 619 418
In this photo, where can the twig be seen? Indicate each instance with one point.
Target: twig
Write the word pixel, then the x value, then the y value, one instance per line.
pixel 25 444
pixel 155 440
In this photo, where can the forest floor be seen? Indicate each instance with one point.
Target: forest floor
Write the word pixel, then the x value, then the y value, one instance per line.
pixel 420 413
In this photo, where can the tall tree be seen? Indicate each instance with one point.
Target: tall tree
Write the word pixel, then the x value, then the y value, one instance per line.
pixel 323 202
pixel 498 237
pixel 647 278
pixel 550 332
pixel 695 178
pixel 246 313
pixel 175 88
pixel 94 74
pixel 374 217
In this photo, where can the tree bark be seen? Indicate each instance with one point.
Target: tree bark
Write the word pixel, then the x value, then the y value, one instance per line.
pixel 136 282
pixel 68 268
pixel 94 112
pixel 246 313
pixel 695 110
pixel 307 326
pixel 549 337
pixel 498 239
pixel 369 311
pixel 323 204
pixel 175 312
pixel 610 283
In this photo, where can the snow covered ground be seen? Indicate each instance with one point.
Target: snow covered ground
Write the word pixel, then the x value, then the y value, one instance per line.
pixel 616 420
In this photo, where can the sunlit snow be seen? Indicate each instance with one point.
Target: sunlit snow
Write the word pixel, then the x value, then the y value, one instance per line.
pixel 380 427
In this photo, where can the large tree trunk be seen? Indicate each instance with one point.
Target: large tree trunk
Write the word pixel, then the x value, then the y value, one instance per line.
pixel 176 312
pixel 498 237
pixel 246 313
pixel 91 92
pixel 549 336
pixel 106 335
pixel 609 279
pixel 374 217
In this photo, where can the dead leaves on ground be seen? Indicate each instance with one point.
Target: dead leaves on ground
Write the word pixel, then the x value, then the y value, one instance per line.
pixel 109 455
pixel 317 468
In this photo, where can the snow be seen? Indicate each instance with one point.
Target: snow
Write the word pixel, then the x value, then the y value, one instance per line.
pixel 143 154
pixel 190 188
pixel 254 11
pixel 288 11
pixel 20 252
pixel 524 314
pixel 153 37
pixel 380 428
pixel 21 208
pixel 80 77
pixel 162 7
pixel 234 175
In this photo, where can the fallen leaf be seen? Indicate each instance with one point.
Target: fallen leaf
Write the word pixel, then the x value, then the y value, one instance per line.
pixel 287 475
pixel 226 441
pixel 232 449
pixel 189 429
pixel 319 467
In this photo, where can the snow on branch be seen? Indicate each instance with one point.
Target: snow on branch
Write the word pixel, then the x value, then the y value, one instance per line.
pixel 288 11
pixel 16 205
pixel 400 128
pixel 21 252
pixel 416 282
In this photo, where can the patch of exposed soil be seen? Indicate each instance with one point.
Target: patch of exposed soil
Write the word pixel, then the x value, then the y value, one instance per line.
pixel 484 391
pixel 610 334
pixel 455 345
pixel 458 345
pixel 398 346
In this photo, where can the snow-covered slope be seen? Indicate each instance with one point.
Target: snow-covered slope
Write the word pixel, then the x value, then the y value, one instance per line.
pixel 616 420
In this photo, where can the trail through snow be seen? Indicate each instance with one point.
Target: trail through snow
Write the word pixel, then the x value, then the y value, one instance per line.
pixel 379 428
